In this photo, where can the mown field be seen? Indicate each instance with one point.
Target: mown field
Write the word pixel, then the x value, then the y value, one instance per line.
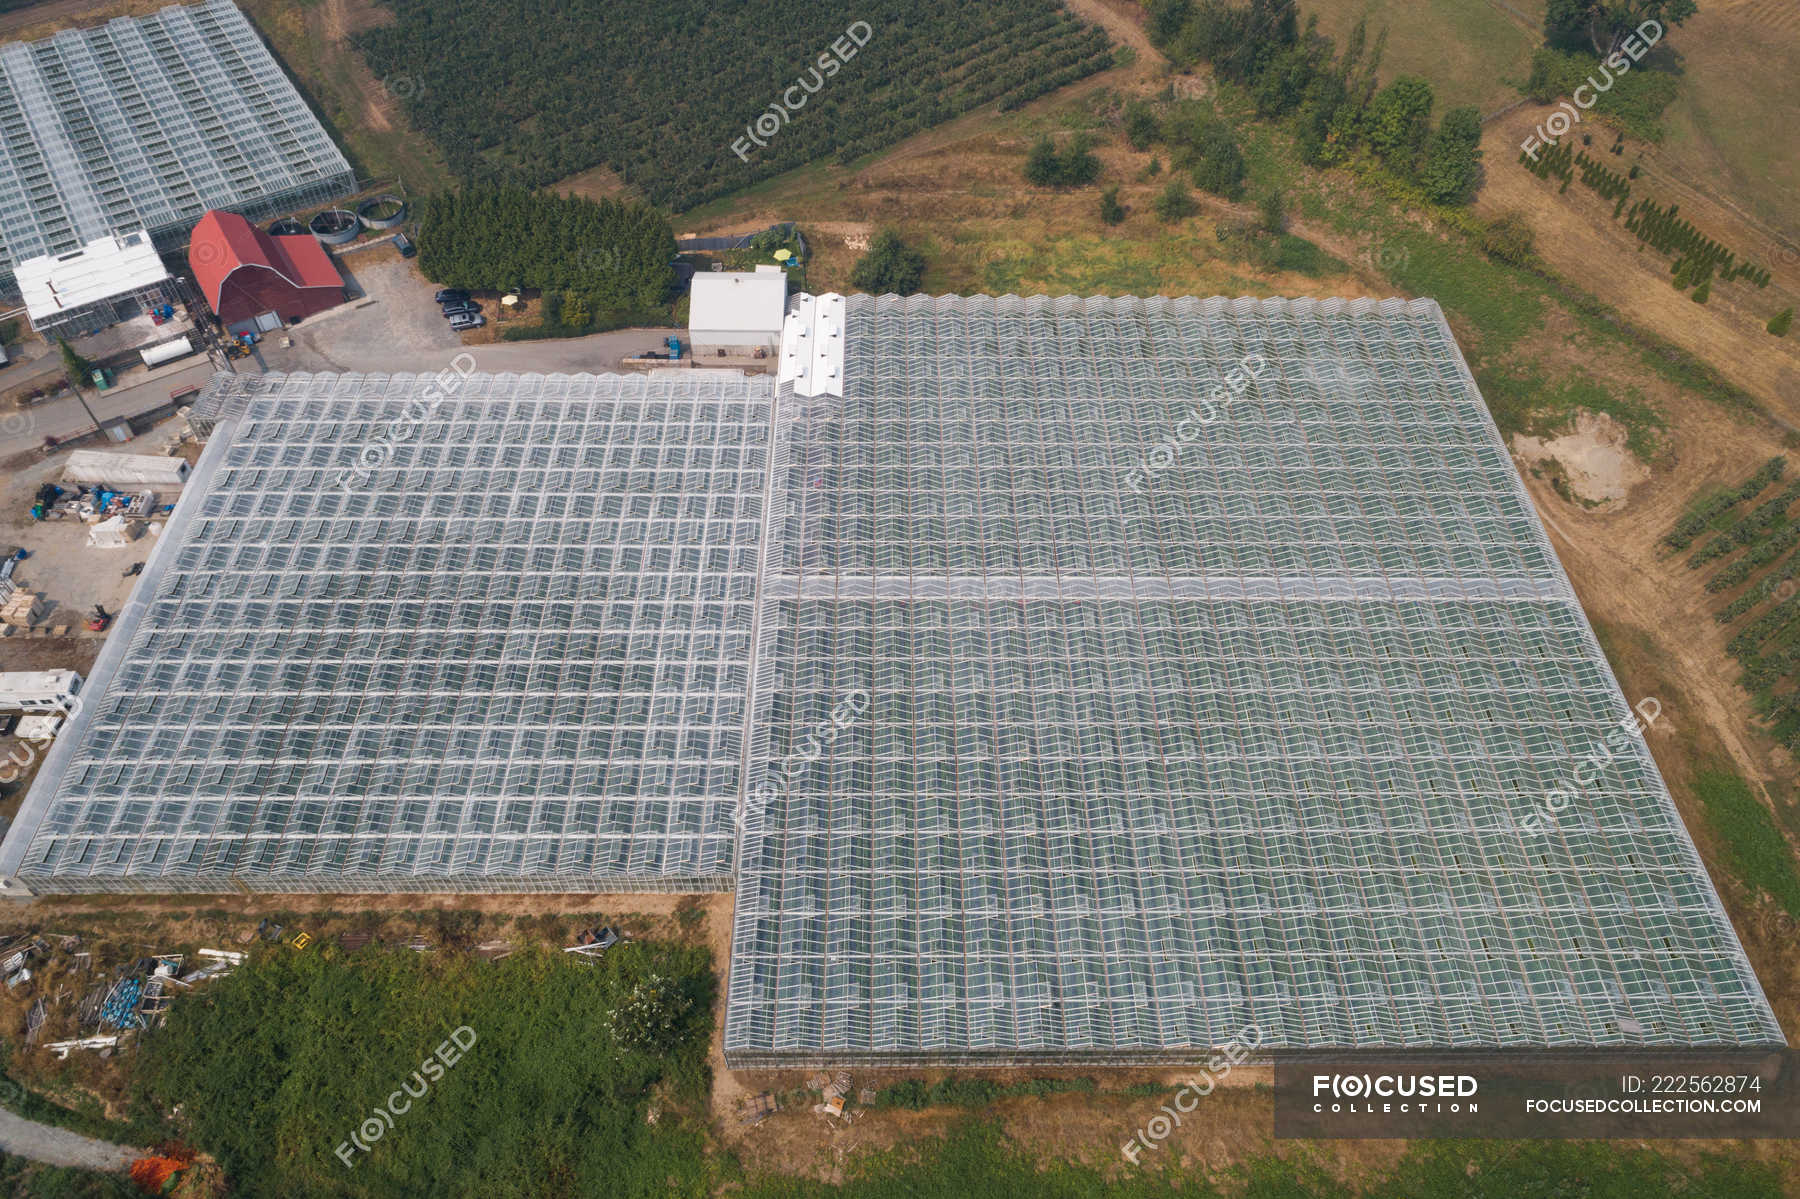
pixel 670 95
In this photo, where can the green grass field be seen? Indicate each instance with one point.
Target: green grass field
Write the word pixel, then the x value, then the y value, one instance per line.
pixel 1755 852
pixel 1470 51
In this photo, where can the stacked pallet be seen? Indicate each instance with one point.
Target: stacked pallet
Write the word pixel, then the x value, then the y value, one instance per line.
pixel 24 609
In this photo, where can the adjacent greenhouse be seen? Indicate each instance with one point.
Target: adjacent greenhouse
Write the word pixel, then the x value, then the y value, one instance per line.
pixel 147 122
pixel 1152 675
pixel 430 633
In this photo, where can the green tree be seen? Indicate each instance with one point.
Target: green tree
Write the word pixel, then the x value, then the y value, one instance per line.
pixel 1175 202
pixel 890 267
pixel 1452 168
pixel 1041 165
pixel 1398 122
pixel 1566 24
pixel 1167 17
pixel 1218 164
pixel 1781 322
pixel 1141 126
pixel 1274 211
pixel 1703 293
pixel 79 370
pixel 1605 26
pixel 575 313
pixel 1111 211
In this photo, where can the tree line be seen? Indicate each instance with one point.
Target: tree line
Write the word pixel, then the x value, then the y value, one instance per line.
pixel 613 254
pixel 1331 99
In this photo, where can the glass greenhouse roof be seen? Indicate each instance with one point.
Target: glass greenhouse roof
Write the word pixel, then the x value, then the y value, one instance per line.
pixel 147 122
pixel 496 635
pixel 1091 680
pixel 1147 675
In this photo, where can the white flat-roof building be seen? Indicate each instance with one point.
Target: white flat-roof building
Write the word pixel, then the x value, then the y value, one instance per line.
pixel 737 311
pixel 108 280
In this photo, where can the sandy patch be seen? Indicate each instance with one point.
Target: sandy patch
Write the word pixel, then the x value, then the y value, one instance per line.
pixel 1593 457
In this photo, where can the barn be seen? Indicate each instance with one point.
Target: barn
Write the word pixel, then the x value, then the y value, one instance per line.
pixel 257 281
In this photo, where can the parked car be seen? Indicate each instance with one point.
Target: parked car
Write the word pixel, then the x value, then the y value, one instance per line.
pixel 451 295
pixel 466 308
pixel 404 244
pixel 467 320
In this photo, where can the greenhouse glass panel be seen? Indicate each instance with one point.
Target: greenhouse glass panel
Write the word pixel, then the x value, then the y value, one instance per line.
pixel 450 702
pixel 148 122
pixel 1220 675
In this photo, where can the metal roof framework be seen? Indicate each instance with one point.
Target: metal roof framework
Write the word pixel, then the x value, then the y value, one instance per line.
pixel 147 122
pixel 1079 680
pixel 410 638
pixel 1114 712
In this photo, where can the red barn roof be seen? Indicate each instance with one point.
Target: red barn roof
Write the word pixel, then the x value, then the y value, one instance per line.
pixel 224 243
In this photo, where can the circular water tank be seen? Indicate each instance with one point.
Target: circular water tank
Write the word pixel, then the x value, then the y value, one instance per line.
pixel 285 227
pixel 335 226
pixel 381 212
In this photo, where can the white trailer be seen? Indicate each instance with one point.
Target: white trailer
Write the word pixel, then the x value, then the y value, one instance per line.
pixel 39 690
pixel 125 472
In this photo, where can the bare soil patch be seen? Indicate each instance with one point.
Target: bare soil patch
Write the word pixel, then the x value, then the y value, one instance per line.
pixel 1593 458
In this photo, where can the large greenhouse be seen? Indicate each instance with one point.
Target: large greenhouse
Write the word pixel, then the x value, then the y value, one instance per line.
pixel 146 123
pixel 1054 680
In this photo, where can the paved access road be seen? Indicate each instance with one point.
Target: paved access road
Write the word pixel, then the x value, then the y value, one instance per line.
pixel 27 427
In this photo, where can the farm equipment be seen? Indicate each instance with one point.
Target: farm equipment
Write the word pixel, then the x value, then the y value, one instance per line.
pixel 674 349
pixel 98 619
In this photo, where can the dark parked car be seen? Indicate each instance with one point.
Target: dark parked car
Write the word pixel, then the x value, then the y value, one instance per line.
pixel 404 244
pixel 451 295
pixel 465 308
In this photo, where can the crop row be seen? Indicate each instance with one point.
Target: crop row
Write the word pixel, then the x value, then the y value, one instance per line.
pixel 689 100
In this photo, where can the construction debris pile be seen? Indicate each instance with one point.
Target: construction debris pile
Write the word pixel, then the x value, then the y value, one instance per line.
pixel 99 1009
pixel 90 504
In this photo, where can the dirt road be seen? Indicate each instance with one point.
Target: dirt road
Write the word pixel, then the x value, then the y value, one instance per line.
pixel 59 1146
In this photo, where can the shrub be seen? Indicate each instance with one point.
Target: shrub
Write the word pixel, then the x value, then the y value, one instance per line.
pixel 1041 166
pixel 1781 322
pixel 1703 293
pixel 1175 202
pixel 1111 211
pixel 1509 238
pixel 1636 99
pixel 1140 125
pixel 1218 164
pixel 890 266
pixel 651 1018
pixel 1072 167
pixel 1274 211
